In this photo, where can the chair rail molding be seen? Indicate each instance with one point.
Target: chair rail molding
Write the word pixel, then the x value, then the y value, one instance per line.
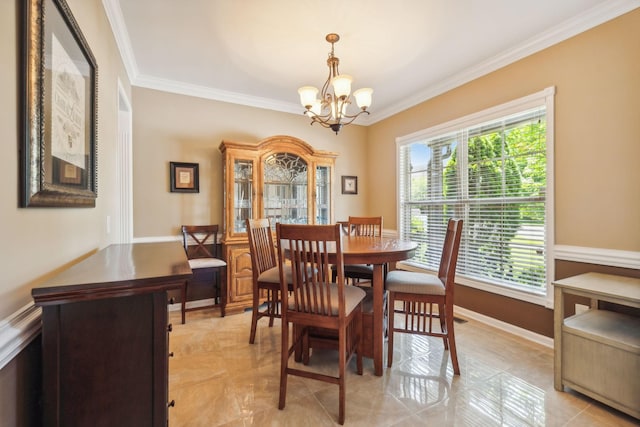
pixel 17 331
pixel 154 239
pixel 609 257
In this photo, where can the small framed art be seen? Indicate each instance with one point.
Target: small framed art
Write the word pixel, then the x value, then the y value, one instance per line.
pixel 184 177
pixel 349 184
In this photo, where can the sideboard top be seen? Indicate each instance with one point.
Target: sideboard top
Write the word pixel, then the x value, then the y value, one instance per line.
pixel 118 270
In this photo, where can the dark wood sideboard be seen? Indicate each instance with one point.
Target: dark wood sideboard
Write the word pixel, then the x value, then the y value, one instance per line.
pixel 105 341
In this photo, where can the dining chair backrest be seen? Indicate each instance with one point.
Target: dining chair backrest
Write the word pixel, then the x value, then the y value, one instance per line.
pixel 261 247
pixel 200 241
pixel 449 258
pixel 311 250
pixel 365 226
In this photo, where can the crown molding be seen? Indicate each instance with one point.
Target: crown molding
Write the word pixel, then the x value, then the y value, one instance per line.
pixel 174 86
pixel 580 23
pixel 119 29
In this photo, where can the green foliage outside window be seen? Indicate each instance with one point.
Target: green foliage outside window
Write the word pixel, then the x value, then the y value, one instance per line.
pixel 503 165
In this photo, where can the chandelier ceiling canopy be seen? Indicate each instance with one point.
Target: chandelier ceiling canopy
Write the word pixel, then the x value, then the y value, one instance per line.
pixel 330 110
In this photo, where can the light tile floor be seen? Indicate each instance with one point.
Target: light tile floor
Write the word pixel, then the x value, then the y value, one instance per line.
pixel 218 379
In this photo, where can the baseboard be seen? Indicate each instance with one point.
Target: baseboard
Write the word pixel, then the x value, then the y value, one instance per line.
pixel 193 304
pixel 17 331
pixel 504 326
pixel 155 239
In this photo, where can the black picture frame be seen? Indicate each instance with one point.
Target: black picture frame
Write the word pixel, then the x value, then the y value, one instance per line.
pixel 58 144
pixel 184 177
pixel 349 184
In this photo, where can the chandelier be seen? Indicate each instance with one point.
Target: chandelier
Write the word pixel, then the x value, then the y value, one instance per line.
pixel 331 109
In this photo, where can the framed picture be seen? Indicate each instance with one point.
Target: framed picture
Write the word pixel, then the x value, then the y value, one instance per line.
pixel 59 103
pixel 184 177
pixel 349 184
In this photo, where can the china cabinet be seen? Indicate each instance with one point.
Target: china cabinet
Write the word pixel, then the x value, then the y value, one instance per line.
pixel 281 178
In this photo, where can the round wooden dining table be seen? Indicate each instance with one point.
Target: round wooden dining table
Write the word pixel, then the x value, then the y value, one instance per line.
pixel 376 251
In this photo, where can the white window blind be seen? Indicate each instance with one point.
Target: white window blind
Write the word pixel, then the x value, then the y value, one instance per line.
pixel 491 170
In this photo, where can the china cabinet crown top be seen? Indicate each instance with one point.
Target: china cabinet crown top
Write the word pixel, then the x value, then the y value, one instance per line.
pixel 277 143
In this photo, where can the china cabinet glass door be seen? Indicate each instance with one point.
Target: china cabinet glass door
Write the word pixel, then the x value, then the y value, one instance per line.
pixel 242 193
pixel 323 195
pixel 285 189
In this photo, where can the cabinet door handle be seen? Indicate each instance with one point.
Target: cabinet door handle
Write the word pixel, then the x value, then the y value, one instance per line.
pixel 171 354
pixel 171 404
pixel 169 327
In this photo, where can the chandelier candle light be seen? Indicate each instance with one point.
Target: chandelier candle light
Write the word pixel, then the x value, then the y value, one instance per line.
pixel 331 109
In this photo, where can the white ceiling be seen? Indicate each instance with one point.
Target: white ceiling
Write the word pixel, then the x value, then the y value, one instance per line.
pixel 258 52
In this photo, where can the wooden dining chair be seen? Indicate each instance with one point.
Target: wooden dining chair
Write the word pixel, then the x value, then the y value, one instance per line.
pixel 203 251
pixel 265 273
pixel 316 302
pixel 360 226
pixel 420 291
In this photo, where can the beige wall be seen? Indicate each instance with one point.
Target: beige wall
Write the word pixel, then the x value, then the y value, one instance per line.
pixel 597 136
pixel 169 127
pixel 36 242
pixel 597 181
pixel 597 147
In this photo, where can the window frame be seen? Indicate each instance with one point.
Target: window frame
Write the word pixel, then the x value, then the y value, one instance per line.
pixel 544 98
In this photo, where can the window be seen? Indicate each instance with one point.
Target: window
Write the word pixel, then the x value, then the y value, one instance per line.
pixel 492 169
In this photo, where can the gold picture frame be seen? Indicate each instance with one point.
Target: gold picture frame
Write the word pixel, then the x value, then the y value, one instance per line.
pixel 58 150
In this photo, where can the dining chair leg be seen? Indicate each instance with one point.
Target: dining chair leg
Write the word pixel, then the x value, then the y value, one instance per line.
pixel 443 315
pixel 300 350
pixel 306 346
pixel 284 360
pixel 360 347
pixel 272 295
pixel 391 303
pixel 342 348
pixel 254 317
pixel 452 340
pixel 183 301
pixel 222 277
